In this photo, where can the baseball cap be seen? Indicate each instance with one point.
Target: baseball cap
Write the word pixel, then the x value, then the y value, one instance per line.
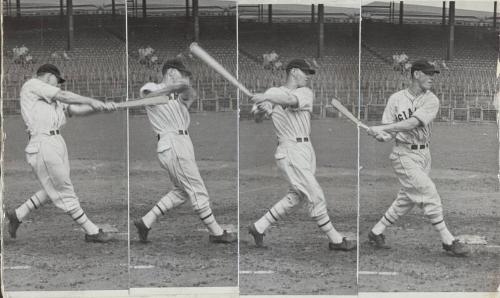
pixel 177 64
pixel 49 68
pixel 423 66
pixel 301 64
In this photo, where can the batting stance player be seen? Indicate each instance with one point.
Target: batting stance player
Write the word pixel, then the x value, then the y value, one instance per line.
pixel 408 119
pixel 289 108
pixel 170 123
pixel 44 108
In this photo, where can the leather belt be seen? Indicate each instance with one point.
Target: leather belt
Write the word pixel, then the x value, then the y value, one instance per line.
pixel 416 147
pixel 413 146
pixel 50 132
pixel 179 132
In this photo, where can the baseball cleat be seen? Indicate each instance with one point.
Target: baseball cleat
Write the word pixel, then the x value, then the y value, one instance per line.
pixel 345 245
pixel 101 237
pixel 378 240
pixel 142 230
pixel 456 248
pixel 14 223
pixel 226 237
pixel 257 237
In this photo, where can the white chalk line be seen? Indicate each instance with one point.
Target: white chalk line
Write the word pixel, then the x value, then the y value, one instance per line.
pixel 17 267
pixel 377 273
pixel 257 272
pixel 493 246
pixel 142 267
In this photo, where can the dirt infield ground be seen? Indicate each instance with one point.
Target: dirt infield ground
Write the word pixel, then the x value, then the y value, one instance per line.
pixel 179 248
pixel 464 158
pixel 51 245
pixel 297 260
pixel 50 252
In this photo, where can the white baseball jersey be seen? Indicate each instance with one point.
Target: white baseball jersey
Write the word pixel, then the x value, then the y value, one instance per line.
pixel 402 105
pixel 172 116
pixel 175 151
pixel 47 154
pixel 297 160
pixel 293 122
pixel 40 112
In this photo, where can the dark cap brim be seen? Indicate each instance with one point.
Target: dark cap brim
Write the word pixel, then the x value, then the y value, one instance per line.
pixel 309 71
pixel 431 71
pixel 60 80
pixel 186 72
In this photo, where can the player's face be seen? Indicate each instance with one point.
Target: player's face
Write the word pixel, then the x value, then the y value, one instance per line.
pixel 425 80
pixel 52 79
pixel 176 76
pixel 300 77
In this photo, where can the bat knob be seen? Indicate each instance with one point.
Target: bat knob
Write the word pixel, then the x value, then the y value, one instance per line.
pixel 193 44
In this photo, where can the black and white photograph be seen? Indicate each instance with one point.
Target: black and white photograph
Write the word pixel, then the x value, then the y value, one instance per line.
pixel 427 89
pixel 64 165
pixel 298 178
pixel 227 148
pixel 183 153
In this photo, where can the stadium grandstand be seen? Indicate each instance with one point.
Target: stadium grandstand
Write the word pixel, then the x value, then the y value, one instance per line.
pixel 463 43
pixel 327 35
pixel 167 31
pixel 92 56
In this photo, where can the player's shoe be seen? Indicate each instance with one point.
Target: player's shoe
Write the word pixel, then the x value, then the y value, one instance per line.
pixel 345 245
pixel 142 230
pixel 226 237
pixel 378 240
pixel 456 248
pixel 257 237
pixel 100 237
pixel 14 223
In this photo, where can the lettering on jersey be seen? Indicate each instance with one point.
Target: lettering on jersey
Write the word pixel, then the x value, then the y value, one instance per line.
pixel 405 115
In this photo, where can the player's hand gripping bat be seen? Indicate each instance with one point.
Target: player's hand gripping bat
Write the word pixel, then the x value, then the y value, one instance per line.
pixel 382 137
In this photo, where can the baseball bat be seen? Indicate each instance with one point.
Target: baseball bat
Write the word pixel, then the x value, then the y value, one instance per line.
pixel 205 57
pixel 149 101
pixel 348 114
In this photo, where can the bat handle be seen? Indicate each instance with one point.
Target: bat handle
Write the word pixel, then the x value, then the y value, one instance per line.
pixel 363 126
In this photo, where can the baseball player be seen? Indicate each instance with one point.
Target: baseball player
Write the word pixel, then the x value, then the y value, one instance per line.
pixel 289 108
pixel 170 123
pixel 408 119
pixel 44 108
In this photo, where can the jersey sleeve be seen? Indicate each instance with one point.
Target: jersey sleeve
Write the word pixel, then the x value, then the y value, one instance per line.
pixel 389 115
pixel 148 88
pixel 43 90
pixel 428 111
pixel 305 97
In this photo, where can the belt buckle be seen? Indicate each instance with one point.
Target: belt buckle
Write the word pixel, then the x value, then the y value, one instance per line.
pixel 414 147
pixel 299 140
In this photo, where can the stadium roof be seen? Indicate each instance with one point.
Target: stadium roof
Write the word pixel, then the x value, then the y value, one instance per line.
pixel 470 8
